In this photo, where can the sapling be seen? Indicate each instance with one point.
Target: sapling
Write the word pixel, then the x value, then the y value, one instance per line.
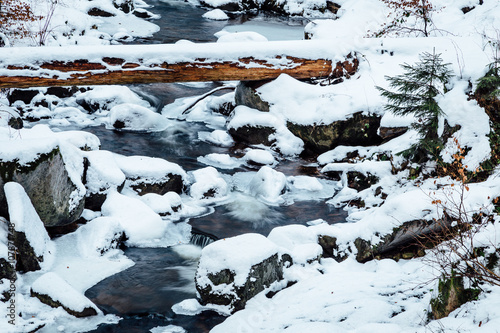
pixel 415 93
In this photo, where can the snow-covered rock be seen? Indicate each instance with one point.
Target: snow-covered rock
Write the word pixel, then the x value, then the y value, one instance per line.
pixel 164 205
pixel 233 270
pixel 151 175
pixel 208 184
pixel 103 175
pixel 52 290
pixel 268 185
pixel 136 118
pixel 51 176
pixel 104 98
pixel 140 223
pixel 99 236
pixel 28 232
pixel 259 157
pixel 216 15
pixel 299 241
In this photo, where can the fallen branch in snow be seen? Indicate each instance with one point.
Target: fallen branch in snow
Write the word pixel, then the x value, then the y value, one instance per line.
pixel 202 97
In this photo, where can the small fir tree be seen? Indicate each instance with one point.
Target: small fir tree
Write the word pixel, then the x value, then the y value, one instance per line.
pixel 415 94
pixel 489 84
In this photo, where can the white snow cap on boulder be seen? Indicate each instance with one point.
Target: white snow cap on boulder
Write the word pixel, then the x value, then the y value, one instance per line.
pixel 216 15
pixel 61 292
pixel 244 36
pixel 268 184
pixel 238 254
pixel 208 183
pixel 24 218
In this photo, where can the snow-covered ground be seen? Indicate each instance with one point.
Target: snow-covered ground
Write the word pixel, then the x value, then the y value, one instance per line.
pixel 378 296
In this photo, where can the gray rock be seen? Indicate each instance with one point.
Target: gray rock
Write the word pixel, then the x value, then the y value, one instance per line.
pixel 261 276
pixel 125 6
pixel 359 130
pixel 388 133
pixel 404 241
pixel 169 183
pixel 360 181
pixel 246 94
pixel 239 278
pixel 99 12
pixel 253 135
pixel 47 183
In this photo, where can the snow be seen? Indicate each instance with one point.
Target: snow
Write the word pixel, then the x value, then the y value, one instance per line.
pixel 268 184
pixel 222 161
pixel 59 290
pixel 150 168
pixel 136 118
pixel 98 236
pixel 217 137
pixel 140 223
pixel 244 36
pixel 286 142
pixel 103 171
pixel 168 329
pixel 24 218
pixel 216 15
pixel 259 156
pixel 207 184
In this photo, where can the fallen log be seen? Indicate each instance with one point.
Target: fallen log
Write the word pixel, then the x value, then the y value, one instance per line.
pixel 129 64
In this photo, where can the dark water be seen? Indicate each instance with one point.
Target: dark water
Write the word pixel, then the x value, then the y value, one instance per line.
pixel 144 294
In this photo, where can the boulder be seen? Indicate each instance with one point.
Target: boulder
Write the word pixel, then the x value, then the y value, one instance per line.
pixel 99 12
pixel 208 184
pixel 359 130
pixel 268 184
pixel 233 270
pixel 451 295
pixel 246 94
pixel 168 183
pixel 125 6
pixel 360 181
pixel 102 176
pixel 151 175
pixel 27 232
pixel 48 185
pixel 388 133
pixel 253 135
pixel 230 6
pixel 24 95
pixel 404 241
pixel 52 290
pixel 7 252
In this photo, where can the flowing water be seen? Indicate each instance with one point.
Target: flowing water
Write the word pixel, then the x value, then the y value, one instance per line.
pixel 144 294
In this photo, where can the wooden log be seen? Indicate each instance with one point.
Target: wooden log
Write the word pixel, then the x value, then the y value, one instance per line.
pixel 130 64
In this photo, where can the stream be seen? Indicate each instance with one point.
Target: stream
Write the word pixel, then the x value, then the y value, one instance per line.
pixel 161 277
